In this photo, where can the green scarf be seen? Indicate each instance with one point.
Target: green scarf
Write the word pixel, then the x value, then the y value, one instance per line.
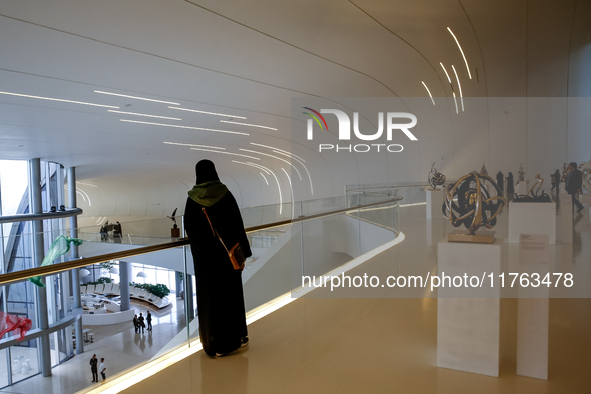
pixel 208 193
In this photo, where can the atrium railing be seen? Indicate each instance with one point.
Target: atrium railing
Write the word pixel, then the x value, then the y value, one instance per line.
pixel 322 236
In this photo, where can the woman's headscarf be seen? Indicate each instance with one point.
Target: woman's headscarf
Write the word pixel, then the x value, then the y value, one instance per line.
pixel 205 172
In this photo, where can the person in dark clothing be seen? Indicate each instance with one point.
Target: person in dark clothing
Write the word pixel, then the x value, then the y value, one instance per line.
pixel 500 180
pixel 117 235
pixel 135 323
pixel 510 188
pixel 149 321
pixel 94 368
pixel 574 183
pixel 220 298
pixel 140 322
pixel 556 181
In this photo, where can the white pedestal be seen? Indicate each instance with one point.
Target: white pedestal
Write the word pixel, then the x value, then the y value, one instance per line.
pixel 564 223
pixel 532 218
pixel 522 187
pixel 468 328
pixel 434 203
pixel 533 309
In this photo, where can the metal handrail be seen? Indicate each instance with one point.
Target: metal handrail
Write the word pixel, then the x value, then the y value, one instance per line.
pixel 18 276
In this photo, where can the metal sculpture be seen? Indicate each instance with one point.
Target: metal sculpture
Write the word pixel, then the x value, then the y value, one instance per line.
pixel 565 172
pixel 475 207
pixel 585 168
pixel 483 170
pixel 435 178
pixel 533 194
pixel 521 173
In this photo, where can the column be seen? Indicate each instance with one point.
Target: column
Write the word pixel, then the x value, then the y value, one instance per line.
pixel 71 176
pixel 124 274
pixel 38 254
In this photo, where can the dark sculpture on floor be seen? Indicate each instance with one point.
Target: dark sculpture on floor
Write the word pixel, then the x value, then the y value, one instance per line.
pixel 533 195
pixel 501 180
pixel 435 178
pixel 474 208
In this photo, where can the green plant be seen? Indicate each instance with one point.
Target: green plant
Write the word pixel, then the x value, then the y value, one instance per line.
pixel 102 280
pixel 159 290
pixel 107 265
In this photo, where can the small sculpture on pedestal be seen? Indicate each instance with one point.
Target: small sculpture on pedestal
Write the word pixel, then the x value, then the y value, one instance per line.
pixel 565 171
pixel 483 170
pixel 521 173
pixel 474 208
pixel 534 195
pixel 175 232
pixel 435 178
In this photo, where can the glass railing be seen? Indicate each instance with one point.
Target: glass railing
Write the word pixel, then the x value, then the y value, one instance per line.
pixel 324 235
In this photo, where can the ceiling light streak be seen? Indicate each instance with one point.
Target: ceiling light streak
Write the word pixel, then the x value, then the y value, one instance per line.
pixel 292 197
pixel 183 127
pixel 201 146
pixel 136 98
pixel 459 87
pixel 82 193
pixel 274 176
pixel 87 184
pixel 270 147
pixel 455 101
pixel 303 165
pixel 428 91
pixel 275 157
pixel 56 99
pixel 446 74
pixel 149 116
pixel 248 124
pixel 464 56
pixel 265 178
pixel 226 153
pixel 207 113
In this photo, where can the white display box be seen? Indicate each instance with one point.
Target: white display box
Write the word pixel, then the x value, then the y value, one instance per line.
pixel 468 329
pixel 434 203
pixel 522 187
pixel 533 309
pixel 532 218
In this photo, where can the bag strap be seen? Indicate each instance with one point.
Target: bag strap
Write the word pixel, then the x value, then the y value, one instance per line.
pixel 214 231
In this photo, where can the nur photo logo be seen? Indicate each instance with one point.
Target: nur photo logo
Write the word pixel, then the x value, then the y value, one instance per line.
pixel 392 120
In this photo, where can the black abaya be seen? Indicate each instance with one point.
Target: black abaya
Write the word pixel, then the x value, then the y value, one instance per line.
pixel 220 299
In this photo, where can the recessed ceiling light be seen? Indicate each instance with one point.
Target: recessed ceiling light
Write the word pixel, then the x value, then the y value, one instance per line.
pixel 202 146
pixel 464 56
pixel 56 99
pixel 446 74
pixel 226 153
pixel 459 86
pixel 428 91
pixel 182 127
pixel 207 113
pixel 149 116
pixel 248 124
pixel 135 97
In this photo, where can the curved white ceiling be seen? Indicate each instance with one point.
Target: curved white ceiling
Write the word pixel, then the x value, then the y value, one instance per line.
pixel 248 60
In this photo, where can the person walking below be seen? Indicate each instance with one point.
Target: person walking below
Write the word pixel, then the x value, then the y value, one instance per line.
pixel 103 368
pixel 140 322
pixel 93 368
pixel 574 183
pixel 135 323
pixel 220 297
pixel 149 320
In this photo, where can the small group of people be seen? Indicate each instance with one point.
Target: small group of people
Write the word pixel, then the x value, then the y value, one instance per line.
pixel 116 228
pixel 95 368
pixel 139 322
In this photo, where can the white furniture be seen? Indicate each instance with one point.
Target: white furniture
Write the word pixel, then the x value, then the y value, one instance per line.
pixel 468 329
pixel 434 203
pixel 532 218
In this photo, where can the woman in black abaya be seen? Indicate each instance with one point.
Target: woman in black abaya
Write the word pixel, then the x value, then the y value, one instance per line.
pixel 220 299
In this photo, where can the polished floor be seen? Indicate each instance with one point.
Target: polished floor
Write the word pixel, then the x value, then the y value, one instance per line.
pixel 121 347
pixel 344 343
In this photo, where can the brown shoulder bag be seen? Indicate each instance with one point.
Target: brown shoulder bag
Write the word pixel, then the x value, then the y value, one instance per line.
pixel 235 253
